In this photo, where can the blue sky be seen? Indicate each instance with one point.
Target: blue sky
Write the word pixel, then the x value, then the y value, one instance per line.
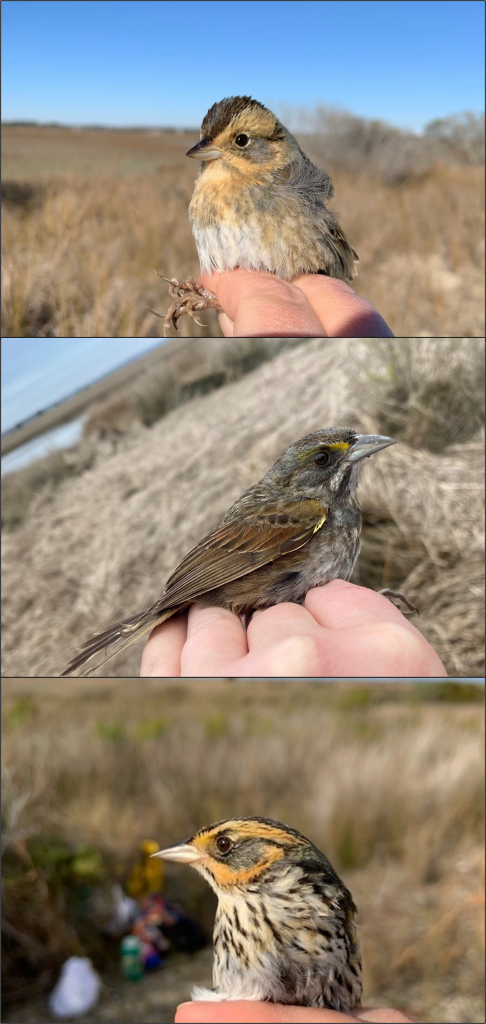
pixel 164 63
pixel 37 372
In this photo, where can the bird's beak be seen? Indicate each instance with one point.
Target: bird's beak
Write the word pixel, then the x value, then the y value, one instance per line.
pixel 366 445
pixel 183 854
pixel 205 150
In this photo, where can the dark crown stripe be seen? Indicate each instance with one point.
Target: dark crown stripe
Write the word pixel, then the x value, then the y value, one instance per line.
pixel 221 114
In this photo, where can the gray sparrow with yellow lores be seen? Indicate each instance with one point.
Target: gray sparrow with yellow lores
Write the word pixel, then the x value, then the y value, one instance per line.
pixel 298 528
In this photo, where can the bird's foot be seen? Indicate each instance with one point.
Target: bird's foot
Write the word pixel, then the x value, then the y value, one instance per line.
pixel 189 297
pixel 395 595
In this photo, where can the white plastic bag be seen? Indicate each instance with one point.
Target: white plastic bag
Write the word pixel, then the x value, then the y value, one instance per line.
pixel 77 990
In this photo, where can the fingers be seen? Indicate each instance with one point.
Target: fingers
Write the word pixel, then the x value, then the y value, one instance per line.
pixel 342 313
pixel 227 325
pixel 245 1012
pixel 277 623
pixel 262 305
pixel 320 639
pixel 300 656
pixel 286 640
pixel 384 642
pixel 342 630
pixel 162 653
pixel 215 640
pixel 341 605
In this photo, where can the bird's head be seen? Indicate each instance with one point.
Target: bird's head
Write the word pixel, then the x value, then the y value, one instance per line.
pixel 326 462
pixel 235 853
pixel 245 136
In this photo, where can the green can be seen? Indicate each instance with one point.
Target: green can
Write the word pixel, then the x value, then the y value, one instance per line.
pixel 131 958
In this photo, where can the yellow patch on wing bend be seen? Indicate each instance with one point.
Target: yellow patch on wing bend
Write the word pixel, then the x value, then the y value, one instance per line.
pixel 321 522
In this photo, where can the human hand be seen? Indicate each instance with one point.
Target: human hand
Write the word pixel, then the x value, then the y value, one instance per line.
pixel 342 630
pixel 258 304
pixel 243 1012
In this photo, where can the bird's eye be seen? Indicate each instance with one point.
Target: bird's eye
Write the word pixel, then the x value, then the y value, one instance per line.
pixel 322 458
pixel 242 141
pixel 224 844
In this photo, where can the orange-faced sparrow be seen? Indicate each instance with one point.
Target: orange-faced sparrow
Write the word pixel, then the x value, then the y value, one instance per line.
pixel 285 927
pixel 259 203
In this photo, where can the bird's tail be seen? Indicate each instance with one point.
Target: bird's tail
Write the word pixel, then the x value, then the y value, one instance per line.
pixel 119 637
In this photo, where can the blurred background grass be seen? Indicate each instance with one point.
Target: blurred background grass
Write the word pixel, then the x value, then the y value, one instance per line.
pixel 386 779
pixel 90 534
pixel 88 215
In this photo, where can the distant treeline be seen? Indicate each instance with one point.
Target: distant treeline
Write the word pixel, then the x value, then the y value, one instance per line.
pixel 99 127
pixel 394 155
pixel 344 140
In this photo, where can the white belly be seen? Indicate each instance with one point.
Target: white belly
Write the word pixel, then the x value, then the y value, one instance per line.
pixel 225 246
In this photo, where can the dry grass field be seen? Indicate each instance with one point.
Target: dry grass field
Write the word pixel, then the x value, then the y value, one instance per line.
pixel 90 535
pixel 386 779
pixel 89 215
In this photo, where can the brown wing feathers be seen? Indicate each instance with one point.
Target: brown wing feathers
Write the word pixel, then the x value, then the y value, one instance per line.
pixel 234 549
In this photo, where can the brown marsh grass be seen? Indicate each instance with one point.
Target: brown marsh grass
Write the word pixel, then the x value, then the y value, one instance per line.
pixel 97 544
pixel 386 779
pixel 88 216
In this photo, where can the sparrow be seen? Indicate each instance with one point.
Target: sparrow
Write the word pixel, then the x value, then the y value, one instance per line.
pixel 298 528
pixel 258 203
pixel 285 926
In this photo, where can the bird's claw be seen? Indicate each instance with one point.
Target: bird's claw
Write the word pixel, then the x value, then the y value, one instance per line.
pixel 189 297
pixel 395 595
